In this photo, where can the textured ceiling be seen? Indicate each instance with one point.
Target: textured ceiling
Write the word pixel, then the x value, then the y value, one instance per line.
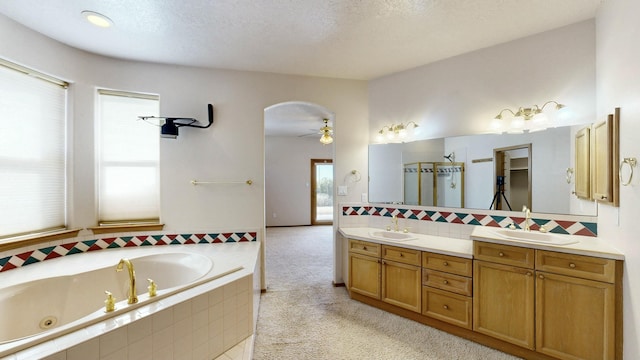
pixel 350 39
pixel 353 39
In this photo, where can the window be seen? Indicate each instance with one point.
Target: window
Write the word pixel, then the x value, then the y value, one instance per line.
pixel 32 151
pixel 128 159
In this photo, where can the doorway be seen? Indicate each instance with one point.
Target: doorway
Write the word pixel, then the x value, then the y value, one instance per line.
pixel 512 186
pixel 321 191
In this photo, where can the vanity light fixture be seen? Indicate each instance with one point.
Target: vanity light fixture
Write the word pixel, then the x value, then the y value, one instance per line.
pixel 396 132
pixel 530 119
pixel 97 19
pixel 326 132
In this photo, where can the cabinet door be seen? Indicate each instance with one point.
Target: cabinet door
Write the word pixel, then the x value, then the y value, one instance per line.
pixel 575 318
pixel 401 285
pixel 582 164
pixel 503 302
pixel 602 182
pixel 364 275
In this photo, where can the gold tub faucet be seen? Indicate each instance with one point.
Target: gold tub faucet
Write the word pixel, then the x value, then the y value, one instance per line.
pixel 132 297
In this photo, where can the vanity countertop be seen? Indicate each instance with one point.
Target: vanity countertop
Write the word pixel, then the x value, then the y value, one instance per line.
pixel 437 244
pixel 586 245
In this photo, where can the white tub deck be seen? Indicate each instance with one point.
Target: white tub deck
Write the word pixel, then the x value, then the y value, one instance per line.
pixel 236 260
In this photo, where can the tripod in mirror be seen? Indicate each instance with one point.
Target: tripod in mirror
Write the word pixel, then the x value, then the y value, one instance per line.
pixel 499 193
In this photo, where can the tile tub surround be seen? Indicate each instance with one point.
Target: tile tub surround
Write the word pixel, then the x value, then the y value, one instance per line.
pixel 19 257
pixel 200 322
pixel 555 223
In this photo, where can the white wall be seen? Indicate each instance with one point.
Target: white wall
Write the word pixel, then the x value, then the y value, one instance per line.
pixel 288 178
pixel 462 94
pixel 232 149
pixel 618 56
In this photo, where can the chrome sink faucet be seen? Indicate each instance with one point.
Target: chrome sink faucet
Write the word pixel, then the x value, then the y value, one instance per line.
pixel 527 217
pixel 132 298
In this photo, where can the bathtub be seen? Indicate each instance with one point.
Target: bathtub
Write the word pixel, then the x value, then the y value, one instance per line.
pixel 46 300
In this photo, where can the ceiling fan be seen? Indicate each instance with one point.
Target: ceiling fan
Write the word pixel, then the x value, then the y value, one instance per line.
pixel 326 133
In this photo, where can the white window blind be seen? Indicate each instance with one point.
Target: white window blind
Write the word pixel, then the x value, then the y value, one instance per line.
pixel 32 151
pixel 128 158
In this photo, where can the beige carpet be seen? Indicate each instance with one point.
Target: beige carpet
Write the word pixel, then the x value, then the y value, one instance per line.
pixel 302 316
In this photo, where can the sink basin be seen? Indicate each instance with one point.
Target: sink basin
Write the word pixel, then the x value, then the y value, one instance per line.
pixel 392 235
pixel 534 236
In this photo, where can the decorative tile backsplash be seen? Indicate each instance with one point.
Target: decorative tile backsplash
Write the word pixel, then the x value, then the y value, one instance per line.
pixel 557 226
pixel 78 247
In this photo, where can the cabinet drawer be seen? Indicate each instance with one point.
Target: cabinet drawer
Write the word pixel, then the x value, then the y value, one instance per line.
pixel 406 256
pixel 448 307
pixel 447 263
pixel 364 247
pixel 504 254
pixel 586 267
pixel 449 282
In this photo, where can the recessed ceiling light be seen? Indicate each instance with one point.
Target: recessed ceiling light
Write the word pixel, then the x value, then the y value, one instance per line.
pixel 97 19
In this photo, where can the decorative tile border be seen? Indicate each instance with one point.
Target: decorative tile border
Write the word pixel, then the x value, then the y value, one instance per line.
pixel 567 227
pixel 78 247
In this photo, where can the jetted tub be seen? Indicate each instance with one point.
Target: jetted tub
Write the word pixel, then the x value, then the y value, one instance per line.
pixel 48 299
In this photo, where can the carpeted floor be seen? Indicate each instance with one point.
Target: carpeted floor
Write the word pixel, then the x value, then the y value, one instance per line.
pixel 302 316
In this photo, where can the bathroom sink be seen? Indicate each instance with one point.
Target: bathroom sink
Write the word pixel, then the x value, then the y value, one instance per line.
pixel 392 235
pixel 534 236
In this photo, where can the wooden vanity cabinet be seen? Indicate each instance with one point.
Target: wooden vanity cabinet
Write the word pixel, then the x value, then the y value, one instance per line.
pixel 401 277
pixel 575 306
pixel 365 268
pixel 387 273
pixel 562 305
pixel 503 293
pixel 447 289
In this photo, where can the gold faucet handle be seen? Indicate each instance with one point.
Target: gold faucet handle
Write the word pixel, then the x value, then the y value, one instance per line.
pixel 110 303
pixel 153 288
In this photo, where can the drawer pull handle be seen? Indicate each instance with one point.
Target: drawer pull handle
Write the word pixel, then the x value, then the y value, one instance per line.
pixel 445 263
pixel 501 254
pixel 572 265
pixel 541 276
pixel 529 274
pixel 445 307
pixel 364 248
pixel 445 282
pixel 401 255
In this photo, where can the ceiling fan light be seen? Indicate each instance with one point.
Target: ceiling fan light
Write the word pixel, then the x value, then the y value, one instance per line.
pixel 326 139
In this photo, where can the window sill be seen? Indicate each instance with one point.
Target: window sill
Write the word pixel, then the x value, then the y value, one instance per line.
pixel 25 241
pixel 106 229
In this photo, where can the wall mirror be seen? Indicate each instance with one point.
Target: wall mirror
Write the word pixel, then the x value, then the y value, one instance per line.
pixel 551 153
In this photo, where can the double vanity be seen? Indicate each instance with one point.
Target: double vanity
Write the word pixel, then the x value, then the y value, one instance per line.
pixel 532 294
